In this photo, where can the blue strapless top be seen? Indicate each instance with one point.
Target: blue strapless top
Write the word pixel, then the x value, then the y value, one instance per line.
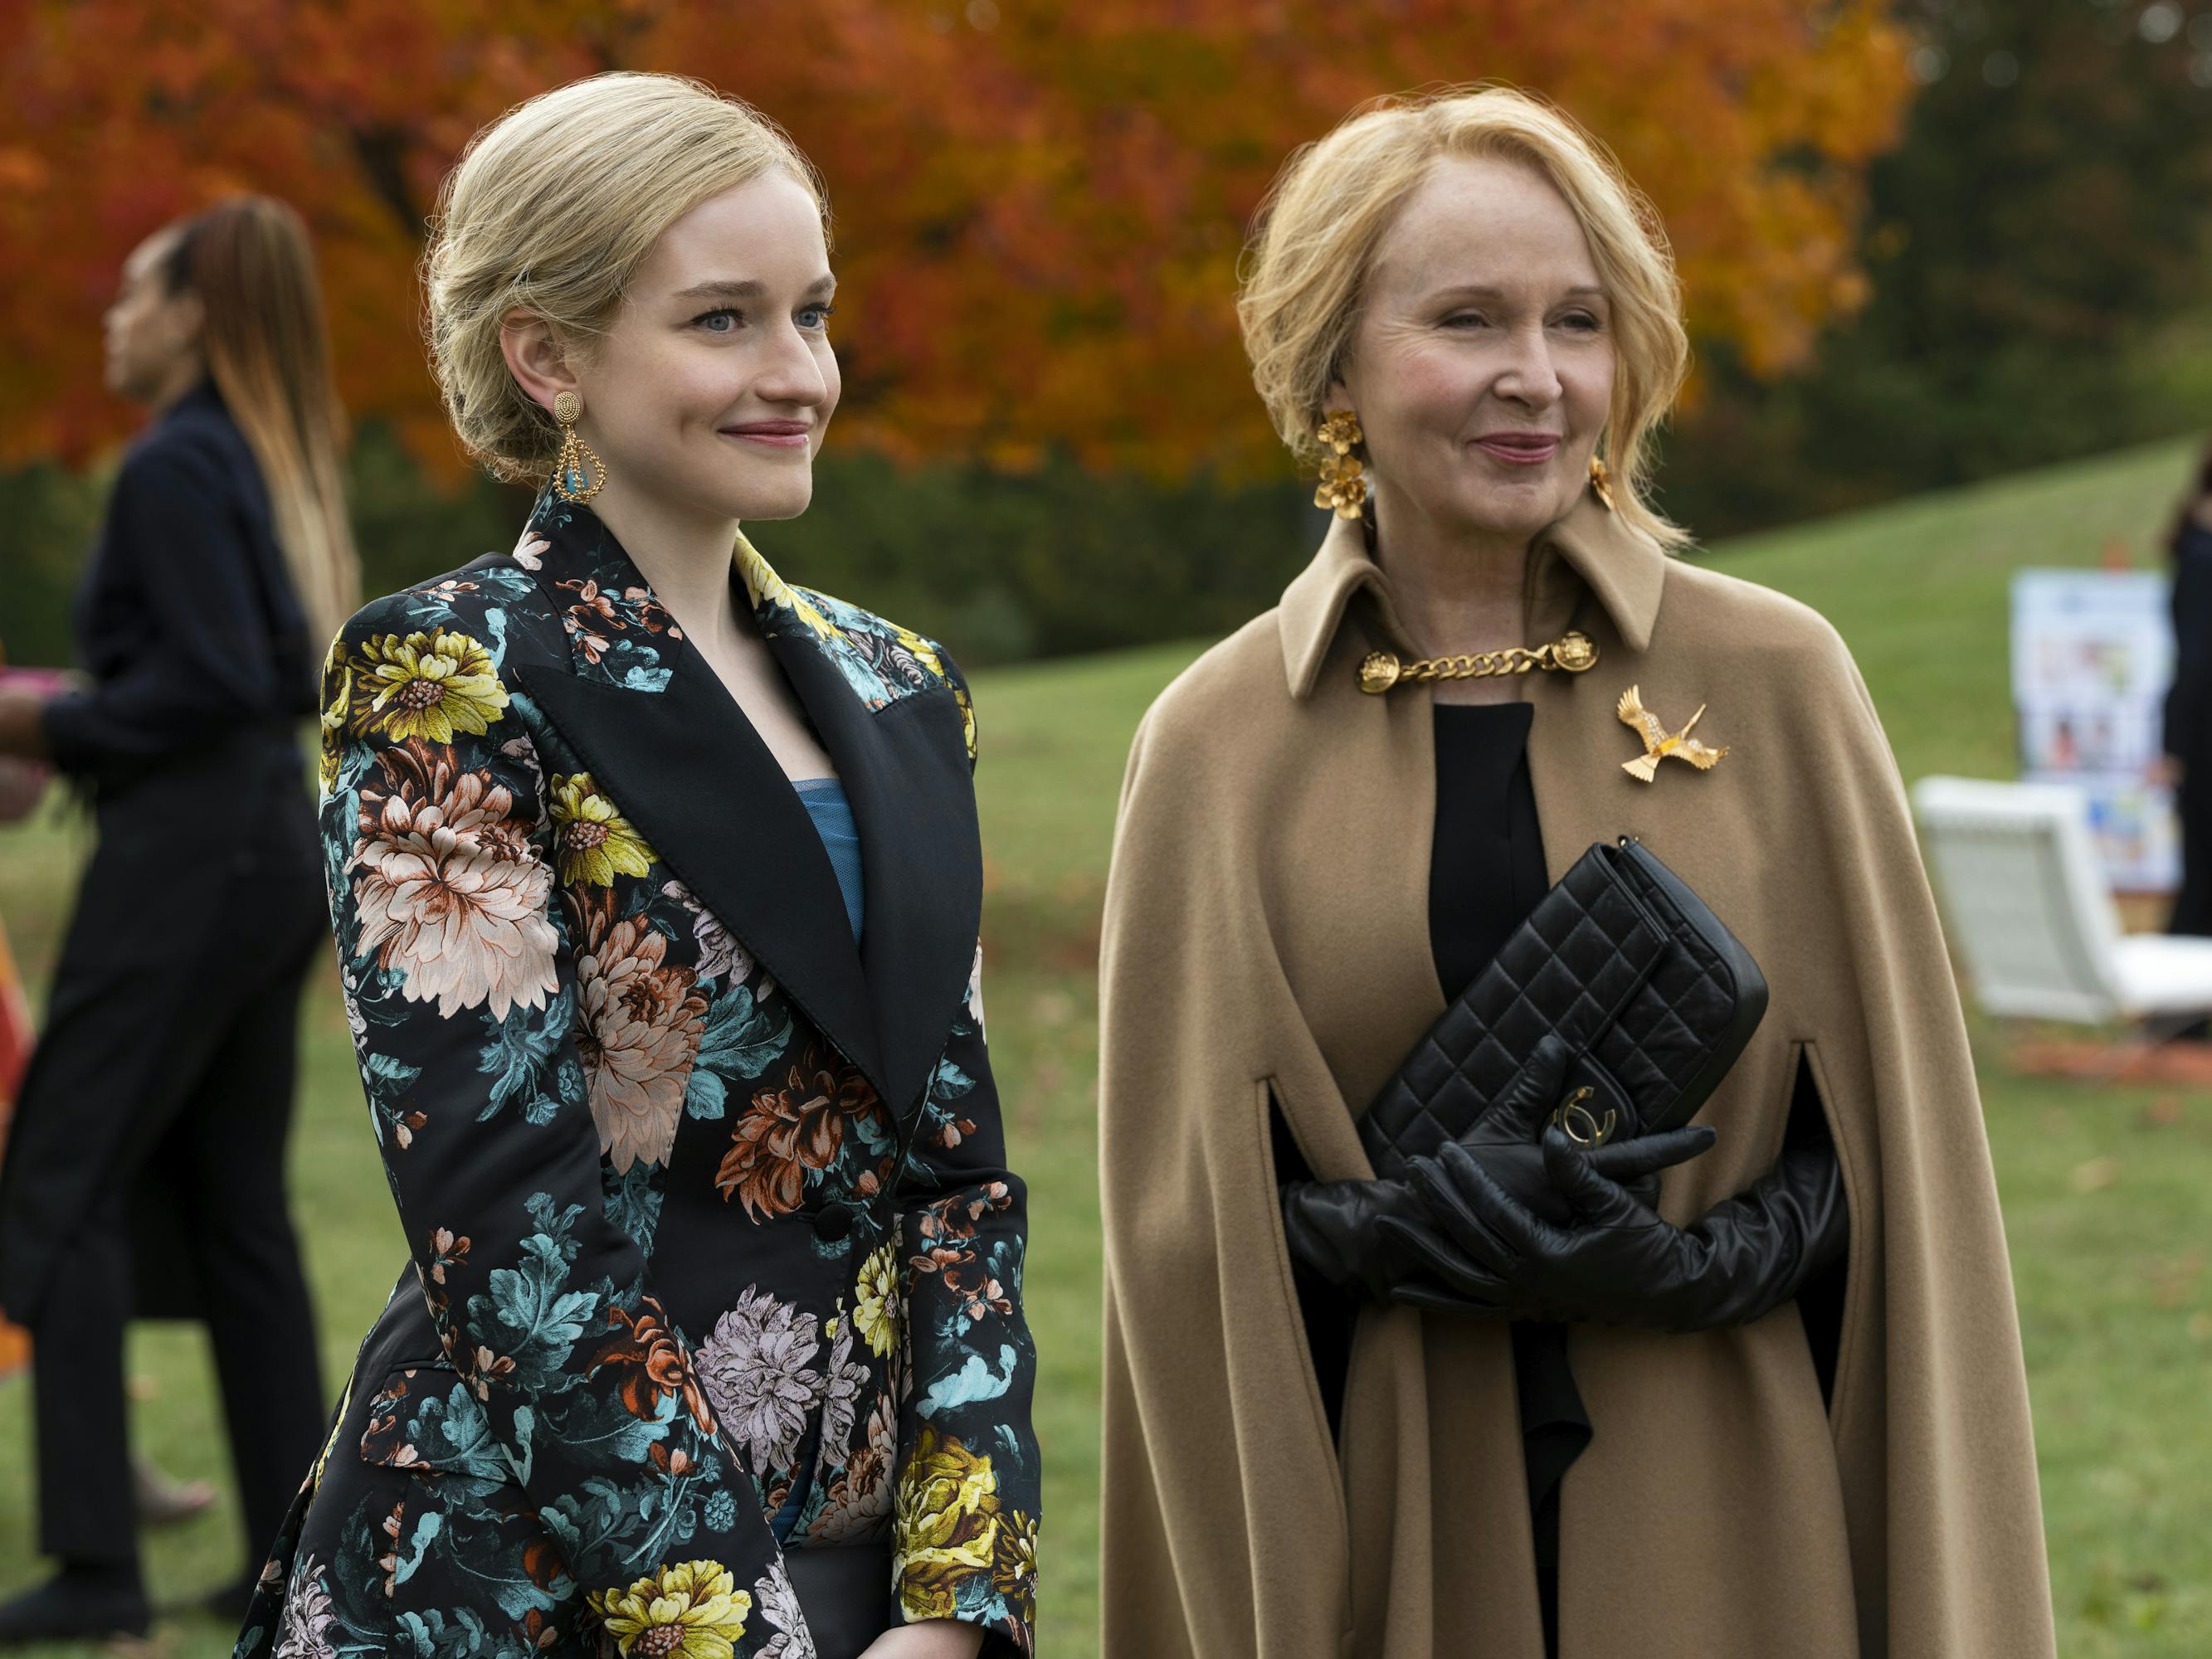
pixel 825 803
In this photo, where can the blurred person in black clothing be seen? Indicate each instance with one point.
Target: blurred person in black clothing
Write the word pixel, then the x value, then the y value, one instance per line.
pixel 145 1171
pixel 2188 733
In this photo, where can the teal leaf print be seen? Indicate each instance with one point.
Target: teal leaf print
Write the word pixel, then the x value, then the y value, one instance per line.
pixel 388 1078
pixel 454 1433
pixel 705 1098
pixel 533 1302
pixel 633 1200
pixel 555 1224
pixel 950 1082
pixel 519 1457
pixel 516 1058
pixel 426 1530
pixel 615 1438
pixel 741 1039
pixel 972 1382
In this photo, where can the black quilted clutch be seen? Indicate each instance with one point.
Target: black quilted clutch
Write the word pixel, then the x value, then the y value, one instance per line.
pixel 1653 998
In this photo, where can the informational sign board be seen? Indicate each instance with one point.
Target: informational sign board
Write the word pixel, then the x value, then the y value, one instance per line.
pixel 2092 656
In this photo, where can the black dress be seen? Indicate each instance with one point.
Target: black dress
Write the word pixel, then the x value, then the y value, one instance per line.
pixel 1485 826
pixel 145 1167
pixel 1486 871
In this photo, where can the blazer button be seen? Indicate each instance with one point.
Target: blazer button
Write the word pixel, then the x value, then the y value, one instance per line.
pixel 833 1221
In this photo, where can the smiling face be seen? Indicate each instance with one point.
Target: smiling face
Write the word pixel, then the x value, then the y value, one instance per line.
pixel 1481 367
pixel 710 393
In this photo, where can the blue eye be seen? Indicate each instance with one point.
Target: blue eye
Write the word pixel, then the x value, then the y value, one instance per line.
pixel 1583 321
pixel 820 313
pixel 708 320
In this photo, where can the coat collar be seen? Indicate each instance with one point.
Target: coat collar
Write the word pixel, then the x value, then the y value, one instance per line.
pixel 664 739
pixel 1590 551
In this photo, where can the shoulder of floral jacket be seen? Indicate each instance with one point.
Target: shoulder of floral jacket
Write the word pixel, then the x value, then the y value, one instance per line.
pixel 433 661
pixel 492 600
pixel 935 660
pixel 882 661
pixel 877 639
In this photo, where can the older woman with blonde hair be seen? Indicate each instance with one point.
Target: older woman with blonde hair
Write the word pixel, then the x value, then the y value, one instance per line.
pixel 1531 1399
pixel 656 883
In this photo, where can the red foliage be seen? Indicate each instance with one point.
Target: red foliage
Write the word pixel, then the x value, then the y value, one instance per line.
pixel 1039 208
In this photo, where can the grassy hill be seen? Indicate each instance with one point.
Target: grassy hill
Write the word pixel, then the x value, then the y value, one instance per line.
pixel 2106 1193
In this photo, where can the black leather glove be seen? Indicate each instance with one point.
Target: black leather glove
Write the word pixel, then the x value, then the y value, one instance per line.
pixel 1620 1263
pixel 1376 1236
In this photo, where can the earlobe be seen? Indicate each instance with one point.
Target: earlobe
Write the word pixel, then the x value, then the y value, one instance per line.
pixel 191 319
pixel 535 356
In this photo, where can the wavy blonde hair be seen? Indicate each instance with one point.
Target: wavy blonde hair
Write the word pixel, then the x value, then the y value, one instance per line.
pixel 551 209
pixel 1306 267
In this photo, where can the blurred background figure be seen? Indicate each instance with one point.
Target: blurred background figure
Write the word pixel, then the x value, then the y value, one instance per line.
pixel 2188 737
pixel 145 1172
pixel 21 785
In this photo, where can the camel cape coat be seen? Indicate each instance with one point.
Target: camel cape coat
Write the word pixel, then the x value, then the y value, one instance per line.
pixel 1267 936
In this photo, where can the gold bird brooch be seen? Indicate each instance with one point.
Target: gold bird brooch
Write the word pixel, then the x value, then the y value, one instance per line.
pixel 1659 742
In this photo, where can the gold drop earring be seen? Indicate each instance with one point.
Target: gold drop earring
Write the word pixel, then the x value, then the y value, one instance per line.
pixel 579 474
pixel 1343 480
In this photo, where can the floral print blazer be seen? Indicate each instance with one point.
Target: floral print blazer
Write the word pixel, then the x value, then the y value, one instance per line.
pixel 713 1239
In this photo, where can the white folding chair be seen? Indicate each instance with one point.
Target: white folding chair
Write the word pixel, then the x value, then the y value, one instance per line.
pixel 2028 910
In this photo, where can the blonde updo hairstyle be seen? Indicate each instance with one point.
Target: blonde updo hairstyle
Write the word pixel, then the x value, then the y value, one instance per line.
pixel 1306 270
pixel 551 209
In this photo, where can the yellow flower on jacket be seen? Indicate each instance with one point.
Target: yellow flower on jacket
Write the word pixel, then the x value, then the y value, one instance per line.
pixel 967 718
pixel 1014 1575
pixel 946 1524
pixel 339 678
pixel 425 685
pixel 921 651
pixel 769 588
pixel 875 1312
pixel 693 1610
pixel 595 843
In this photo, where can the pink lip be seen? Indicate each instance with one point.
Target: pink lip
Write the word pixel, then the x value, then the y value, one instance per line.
pixel 777 434
pixel 1519 448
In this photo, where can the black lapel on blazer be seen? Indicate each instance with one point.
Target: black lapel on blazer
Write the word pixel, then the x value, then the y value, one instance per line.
pixel 687 767
pixel 906 773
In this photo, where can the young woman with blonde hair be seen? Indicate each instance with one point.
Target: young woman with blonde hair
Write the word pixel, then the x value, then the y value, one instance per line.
pixel 656 886
pixel 1528 1401
pixel 155 1115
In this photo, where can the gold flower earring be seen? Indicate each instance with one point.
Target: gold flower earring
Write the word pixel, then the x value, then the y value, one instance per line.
pixel 1343 481
pixel 1602 482
pixel 579 474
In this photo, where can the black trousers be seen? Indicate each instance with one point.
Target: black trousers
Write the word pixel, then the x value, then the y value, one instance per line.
pixel 146 1172
pixel 221 1164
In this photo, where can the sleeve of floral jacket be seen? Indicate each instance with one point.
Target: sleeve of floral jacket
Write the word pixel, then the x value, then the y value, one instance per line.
pixel 965 1527
pixel 461 981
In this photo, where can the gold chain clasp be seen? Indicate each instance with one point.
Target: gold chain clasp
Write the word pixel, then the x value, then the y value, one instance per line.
pixel 1572 653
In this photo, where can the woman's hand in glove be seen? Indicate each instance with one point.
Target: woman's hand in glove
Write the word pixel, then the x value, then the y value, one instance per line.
pixel 1505 1140
pixel 1620 1263
pixel 1377 1237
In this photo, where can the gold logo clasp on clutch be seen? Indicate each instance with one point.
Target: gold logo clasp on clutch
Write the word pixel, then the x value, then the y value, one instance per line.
pixel 1580 1124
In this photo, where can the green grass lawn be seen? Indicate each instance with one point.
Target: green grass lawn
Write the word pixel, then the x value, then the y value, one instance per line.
pixel 2106 1192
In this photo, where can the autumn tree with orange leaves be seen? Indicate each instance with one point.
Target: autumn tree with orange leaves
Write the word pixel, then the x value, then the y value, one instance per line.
pixel 1039 208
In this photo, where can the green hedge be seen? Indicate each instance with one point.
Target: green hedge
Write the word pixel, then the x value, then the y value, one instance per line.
pixel 998 568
